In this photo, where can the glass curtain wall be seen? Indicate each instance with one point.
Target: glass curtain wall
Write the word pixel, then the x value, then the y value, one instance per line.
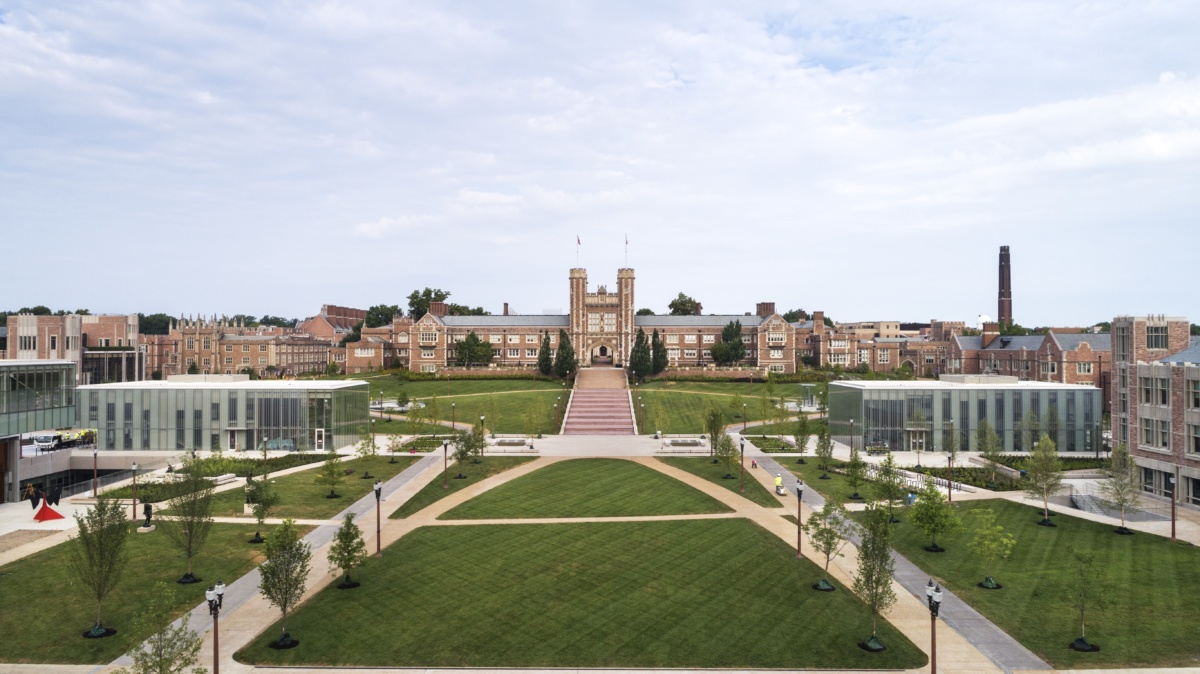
pixel 36 397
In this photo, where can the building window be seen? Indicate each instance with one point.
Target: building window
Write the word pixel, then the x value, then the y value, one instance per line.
pixel 706 353
pixel 1164 434
pixel 494 339
pixel 710 339
pixel 53 342
pixel 610 322
pixel 1156 336
pixel 208 344
pixel 689 353
pixel 427 353
pixel 1162 389
pixel 1144 385
pixel 228 360
pixel 839 359
pixel 429 368
pixel 1083 368
pixel 689 339
pixel 1193 444
pixel 672 339
pixel 216 412
pixel 228 347
pixel 777 368
pixel 1148 433
pixel 929 360
pixel 245 360
pixel 673 354
pixel 514 353
pixel 776 338
pixel 864 356
pixel 262 347
pixel 531 339
pixel 364 353
pixel 206 361
pixel 776 353
pixel 746 339
pixel 191 344
pixel 531 353
pixel 514 339
pixel 884 356
pixel 838 343
pixel 245 348
pixel 428 337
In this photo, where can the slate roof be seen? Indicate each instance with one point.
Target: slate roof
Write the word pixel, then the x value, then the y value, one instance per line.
pixel 524 321
pixel 1028 342
pixel 806 325
pixel 1070 342
pixel 1188 355
pixel 969 342
pixel 716 321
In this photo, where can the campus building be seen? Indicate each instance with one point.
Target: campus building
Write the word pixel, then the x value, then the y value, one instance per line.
pixel 105 347
pixel 1155 404
pixel 224 346
pixel 912 415
pixel 218 412
pixel 35 395
pixel 1069 356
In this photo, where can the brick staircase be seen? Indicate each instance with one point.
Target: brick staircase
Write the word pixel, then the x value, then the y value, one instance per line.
pixel 599 404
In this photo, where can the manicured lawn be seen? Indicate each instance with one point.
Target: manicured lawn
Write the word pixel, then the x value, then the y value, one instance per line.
pixel 696 594
pixel 447 388
pixel 1146 616
pixel 300 497
pixel 706 469
pixel 505 412
pixel 835 487
pixel 588 488
pixel 399 425
pixel 785 429
pixel 43 610
pixel 771 445
pixel 728 388
pixel 475 472
pixel 672 411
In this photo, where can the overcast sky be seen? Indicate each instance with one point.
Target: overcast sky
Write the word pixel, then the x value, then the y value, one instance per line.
pixel 864 158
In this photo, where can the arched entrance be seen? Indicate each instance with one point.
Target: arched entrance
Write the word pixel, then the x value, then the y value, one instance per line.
pixel 601 354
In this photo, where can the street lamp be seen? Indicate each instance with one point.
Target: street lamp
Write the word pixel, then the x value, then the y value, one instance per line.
pixel 1171 481
pixel 743 417
pixel 452 417
pixel 215 594
pixel 482 428
pixel 933 593
pixel 643 413
pixel 920 446
pixel 95 483
pixel 445 464
pixel 799 515
pixel 133 467
pixel 378 496
pixel 852 438
pixel 742 477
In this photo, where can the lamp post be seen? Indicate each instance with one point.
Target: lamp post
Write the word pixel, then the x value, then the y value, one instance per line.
pixel 934 595
pixel 452 417
pixel 133 467
pixel 920 446
pixel 742 476
pixel 743 417
pixel 643 415
pixel 799 515
pixel 852 438
pixel 215 594
pixel 484 429
pixel 445 464
pixel 95 483
pixel 378 497
pixel 1172 481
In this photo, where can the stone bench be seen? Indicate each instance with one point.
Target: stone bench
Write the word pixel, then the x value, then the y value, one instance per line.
pixel 223 479
pixel 686 442
pixel 877 451
pixel 510 442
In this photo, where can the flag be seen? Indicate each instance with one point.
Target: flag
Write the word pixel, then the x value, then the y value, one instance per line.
pixel 626 239
pixel 577 241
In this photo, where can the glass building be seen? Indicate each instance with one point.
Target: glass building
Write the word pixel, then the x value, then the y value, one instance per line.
pixel 35 395
pixel 209 412
pixel 912 415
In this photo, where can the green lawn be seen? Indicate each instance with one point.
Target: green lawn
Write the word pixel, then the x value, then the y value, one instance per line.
pixel 588 488
pixel 1147 593
pixel 398 425
pixel 474 472
pixel 747 390
pixel 300 497
pixel 771 445
pixel 448 388
pixel 696 594
pixel 43 611
pixel 706 469
pixel 672 411
pixel 505 412
pixel 835 487
pixel 785 429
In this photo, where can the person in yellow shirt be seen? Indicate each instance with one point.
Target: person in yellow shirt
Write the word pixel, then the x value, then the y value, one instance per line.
pixel 778 483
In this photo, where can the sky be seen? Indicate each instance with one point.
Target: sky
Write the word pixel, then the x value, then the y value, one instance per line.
pixel 866 159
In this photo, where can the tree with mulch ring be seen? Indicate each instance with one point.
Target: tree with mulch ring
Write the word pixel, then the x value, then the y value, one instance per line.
pixel 98 555
pixel 348 551
pixel 933 515
pixel 991 542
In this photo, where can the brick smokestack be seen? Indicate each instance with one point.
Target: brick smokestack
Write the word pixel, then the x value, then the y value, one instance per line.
pixel 506 308
pixel 764 309
pixel 438 308
pixel 1004 308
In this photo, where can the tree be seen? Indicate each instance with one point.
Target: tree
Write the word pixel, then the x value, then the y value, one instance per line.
pixel 727 455
pixel 801 432
pixel 684 306
pixel 824 450
pixel 382 314
pixel 366 446
pixel 331 473
pixel 829 532
pixel 402 399
pixel 991 543
pixel 1051 422
pixel 192 505
pixel 795 315
pixel 564 359
pixel 641 363
pixel 283 575
pixel 154 324
pixel 1027 431
pixel 472 350
pixel 644 312
pixel 193 368
pixel 415 415
pixel 658 353
pixel 823 399
pixel 1121 489
pixel 418 301
pixel 264 498
pixel 1086 574
pixel 97 553
pixel 730 349
pixel 348 551
pixel 278 321
pixel 1043 475
pixel 331 369
pixel 474 442
pixel 354 336
pixel 395 442
pixel 876 569
pixel 856 473
pixel 889 485
pixel 170 649
pixel 989 447
pixel 545 362
pixel 950 445
pixel 244 319
pixel 933 515
pixel 714 425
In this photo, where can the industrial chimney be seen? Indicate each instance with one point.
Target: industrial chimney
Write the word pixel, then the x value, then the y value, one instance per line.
pixel 1004 310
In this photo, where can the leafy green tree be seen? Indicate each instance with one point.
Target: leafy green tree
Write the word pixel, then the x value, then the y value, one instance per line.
pixel 1027 431
pixel 714 425
pixel 354 336
pixel 97 553
pixel 170 649
pixel 1043 475
pixel 382 314
pixel 331 473
pixel 1121 489
pixel 641 363
pixel 331 369
pixel 684 306
pixel 348 550
pixel 472 350
pixel 824 450
pixel 989 447
pixel 990 543
pixel 828 533
pixel 730 349
pixel 284 573
pixel 462 451
pixel 876 568
pixel 264 499
pixel 193 368
pixel 419 300
pixel 795 315
pixel 801 432
pixel 933 515
pixel 402 399
pixel 564 359
pixel 658 353
pixel 727 455
pixel 645 312
pixel 1051 422
pixel 188 529
pixel 889 485
pixel 545 362
pixel 366 445
pixel 1086 575
pixel 737 406
pixel 475 442
pixel 856 474
pixel 278 321
pixel 154 324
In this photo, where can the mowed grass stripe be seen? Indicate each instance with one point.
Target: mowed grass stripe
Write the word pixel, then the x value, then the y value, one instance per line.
pixel 714 473
pixel 588 488
pixel 696 593
pixel 472 472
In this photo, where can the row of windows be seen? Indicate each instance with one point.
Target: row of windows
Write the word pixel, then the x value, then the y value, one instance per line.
pixel 245 347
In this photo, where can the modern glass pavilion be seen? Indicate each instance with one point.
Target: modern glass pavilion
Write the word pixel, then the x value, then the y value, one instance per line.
pixel 911 415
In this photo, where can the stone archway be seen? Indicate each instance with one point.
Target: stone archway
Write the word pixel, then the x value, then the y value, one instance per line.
pixel 601 353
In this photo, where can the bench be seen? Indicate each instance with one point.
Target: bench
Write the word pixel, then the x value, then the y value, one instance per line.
pixel 877 451
pixel 510 442
pixel 223 479
pixel 687 442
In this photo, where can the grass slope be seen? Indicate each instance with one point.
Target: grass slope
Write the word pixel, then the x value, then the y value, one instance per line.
pixel 588 488
pixel 672 411
pixel 300 497
pixel 835 488
pixel 700 593
pixel 1147 593
pixel 706 469
pixel 474 472
pixel 43 609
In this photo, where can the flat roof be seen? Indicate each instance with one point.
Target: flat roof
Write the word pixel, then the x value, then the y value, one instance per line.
pixel 31 361
pixel 930 385
pixel 255 385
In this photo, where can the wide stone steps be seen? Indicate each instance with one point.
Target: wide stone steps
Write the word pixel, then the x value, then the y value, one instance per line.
pixel 599 412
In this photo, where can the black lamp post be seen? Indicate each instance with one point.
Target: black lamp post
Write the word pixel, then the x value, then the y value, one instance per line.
pixel 933 593
pixel 378 498
pixel 799 515
pixel 452 417
pixel 743 417
pixel 852 438
pixel 133 467
pixel 1171 480
pixel 215 594
pixel 95 483
pixel 643 414
pixel 742 476
pixel 445 464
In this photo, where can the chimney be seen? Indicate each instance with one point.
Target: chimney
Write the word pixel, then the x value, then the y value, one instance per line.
pixel 1004 308
pixel 765 309
pixel 437 308
pixel 506 308
pixel 818 319
pixel 990 332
